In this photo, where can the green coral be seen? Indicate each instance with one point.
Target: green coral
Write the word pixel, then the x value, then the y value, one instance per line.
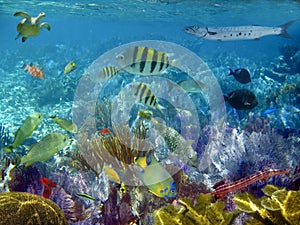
pixel 278 206
pixel 203 213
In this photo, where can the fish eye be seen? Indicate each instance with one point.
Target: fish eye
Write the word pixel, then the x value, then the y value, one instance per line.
pixel 120 57
pixel 191 156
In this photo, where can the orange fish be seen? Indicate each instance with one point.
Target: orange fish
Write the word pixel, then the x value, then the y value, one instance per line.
pixel 48 185
pixel 104 131
pixel 35 71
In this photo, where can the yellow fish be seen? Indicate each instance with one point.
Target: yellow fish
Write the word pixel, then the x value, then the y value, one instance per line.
pixel 65 124
pixel 108 72
pixel 142 60
pixel 156 177
pixel 70 67
pixel 45 148
pixel 25 131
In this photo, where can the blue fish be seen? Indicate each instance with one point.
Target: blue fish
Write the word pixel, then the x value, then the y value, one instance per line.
pixel 268 111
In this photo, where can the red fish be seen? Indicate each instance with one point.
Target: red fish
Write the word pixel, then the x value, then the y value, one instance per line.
pixel 104 131
pixel 35 71
pixel 48 185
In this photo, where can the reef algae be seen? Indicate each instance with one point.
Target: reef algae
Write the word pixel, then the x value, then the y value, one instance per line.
pixel 188 213
pixel 26 208
pixel 278 206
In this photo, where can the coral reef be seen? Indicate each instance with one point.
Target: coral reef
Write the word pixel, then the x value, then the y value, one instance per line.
pixel 278 206
pixel 26 208
pixel 188 213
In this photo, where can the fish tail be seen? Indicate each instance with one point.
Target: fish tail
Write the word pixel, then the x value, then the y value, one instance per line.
pixel 230 72
pixel 52 116
pixel 161 108
pixel 24 66
pixel 284 28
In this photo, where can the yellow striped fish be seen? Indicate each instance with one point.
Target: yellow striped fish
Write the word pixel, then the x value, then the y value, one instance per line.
pixel 107 72
pixel 146 96
pixel 141 60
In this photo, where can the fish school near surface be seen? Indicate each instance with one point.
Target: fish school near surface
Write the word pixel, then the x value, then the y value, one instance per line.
pixel 252 32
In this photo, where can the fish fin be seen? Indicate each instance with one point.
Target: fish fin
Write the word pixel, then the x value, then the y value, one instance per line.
pixel 231 72
pixel 161 108
pixel 8 149
pixel 225 98
pixel 144 115
pixel 284 28
pixel 52 116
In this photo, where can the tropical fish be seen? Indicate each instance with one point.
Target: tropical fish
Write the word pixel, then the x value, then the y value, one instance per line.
pixel 192 86
pixel 175 142
pixel 107 72
pixel 26 129
pixel 48 185
pixel 35 71
pixel 242 99
pixel 86 196
pixel 156 177
pixel 104 131
pixel 112 174
pixel 253 32
pixel 241 75
pixel 65 124
pixel 146 96
pixel 45 148
pixel 141 60
pixel 70 67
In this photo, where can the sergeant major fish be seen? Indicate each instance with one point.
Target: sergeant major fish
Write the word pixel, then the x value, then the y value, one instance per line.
pixel 253 32
pixel 146 96
pixel 107 72
pixel 142 60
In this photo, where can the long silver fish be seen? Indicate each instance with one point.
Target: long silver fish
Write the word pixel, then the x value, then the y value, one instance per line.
pixel 253 32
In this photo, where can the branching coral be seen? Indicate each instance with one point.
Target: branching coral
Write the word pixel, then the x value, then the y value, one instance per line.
pixel 278 206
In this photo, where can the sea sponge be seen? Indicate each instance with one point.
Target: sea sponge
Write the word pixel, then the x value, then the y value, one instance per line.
pixel 26 208
pixel 278 206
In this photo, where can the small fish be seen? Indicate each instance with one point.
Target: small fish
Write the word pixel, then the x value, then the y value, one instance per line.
pixel 70 67
pixel 48 185
pixel 146 96
pixel 45 148
pixel 253 32
pixel 141 60
pixel 156 177
pixel 191 86
pixel 241 75
pixel 268 111
pixel 242 99
pixel 65 124
pixel 86 196
pixel 107 72
pixel 35 71
pixel 26 129
pixel 104 131
pixel 175 142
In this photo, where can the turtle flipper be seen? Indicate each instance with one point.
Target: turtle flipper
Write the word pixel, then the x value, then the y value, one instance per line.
pixel 18 36
pixel 24 39
pixel 45 25
pixel 23 14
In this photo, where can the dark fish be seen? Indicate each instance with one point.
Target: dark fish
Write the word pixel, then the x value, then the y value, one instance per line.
pixel 242 99
pixel 241 75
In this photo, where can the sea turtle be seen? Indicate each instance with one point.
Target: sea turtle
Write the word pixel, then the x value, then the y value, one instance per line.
pixel 30 26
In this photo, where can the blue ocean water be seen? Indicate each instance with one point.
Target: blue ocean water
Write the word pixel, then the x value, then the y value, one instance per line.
pixel 83 31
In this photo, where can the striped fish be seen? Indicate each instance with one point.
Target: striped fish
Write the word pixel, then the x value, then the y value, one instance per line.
pixel 107 72
pixel 146 96
pixel 141 60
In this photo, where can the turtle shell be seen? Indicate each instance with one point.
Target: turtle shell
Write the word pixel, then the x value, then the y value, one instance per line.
pixel 25 208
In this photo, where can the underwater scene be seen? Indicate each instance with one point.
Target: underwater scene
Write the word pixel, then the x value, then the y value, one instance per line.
pixel 150 112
